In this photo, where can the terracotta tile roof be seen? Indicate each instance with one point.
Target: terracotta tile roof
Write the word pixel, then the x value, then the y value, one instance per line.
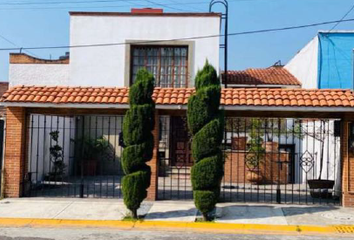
pixel 264 76
pixel 179 96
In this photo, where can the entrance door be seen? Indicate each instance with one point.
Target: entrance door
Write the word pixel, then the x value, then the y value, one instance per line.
pixel 290 149
pixel 181 147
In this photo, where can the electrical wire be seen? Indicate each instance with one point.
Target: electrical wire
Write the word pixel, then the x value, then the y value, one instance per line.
pixel 32 5
pixel 14 44
pixel 164 5
pixel 184 38
pixel 345 15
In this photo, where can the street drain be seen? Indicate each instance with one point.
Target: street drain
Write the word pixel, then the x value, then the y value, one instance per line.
pixel 345 229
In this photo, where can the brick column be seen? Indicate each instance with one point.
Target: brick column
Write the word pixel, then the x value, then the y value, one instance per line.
pixel 14 151
pixel 347 168
pixel 154 163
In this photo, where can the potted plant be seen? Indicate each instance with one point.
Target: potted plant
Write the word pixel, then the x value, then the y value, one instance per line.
pixel 56 158
pixel 90 151
pixel 255 153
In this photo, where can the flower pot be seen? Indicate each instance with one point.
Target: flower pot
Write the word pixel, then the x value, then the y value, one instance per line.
pixel 238 143
pixel 254 176
pixel 321 188
pixel 271 147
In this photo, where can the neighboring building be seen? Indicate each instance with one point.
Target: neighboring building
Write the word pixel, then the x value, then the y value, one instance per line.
pixel 326 62
pixel 272 77
pixel 79 101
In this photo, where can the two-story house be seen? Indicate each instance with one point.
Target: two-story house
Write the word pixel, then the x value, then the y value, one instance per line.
pixel 64 117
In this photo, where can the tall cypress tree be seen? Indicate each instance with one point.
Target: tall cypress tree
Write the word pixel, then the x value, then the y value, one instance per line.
pixel 139 141
pixel 206 123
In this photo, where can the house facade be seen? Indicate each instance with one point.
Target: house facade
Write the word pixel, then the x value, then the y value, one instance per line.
pixel 326 62
pixel 64 117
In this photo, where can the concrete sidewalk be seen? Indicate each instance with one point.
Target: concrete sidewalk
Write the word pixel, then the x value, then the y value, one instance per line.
pixel 109 209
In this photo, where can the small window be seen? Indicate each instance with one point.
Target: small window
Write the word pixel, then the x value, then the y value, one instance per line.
pixel 168 64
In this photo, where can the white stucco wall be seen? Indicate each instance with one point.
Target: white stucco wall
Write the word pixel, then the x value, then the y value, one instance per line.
pixel 105 66
pixel 39 74
pixel 304 66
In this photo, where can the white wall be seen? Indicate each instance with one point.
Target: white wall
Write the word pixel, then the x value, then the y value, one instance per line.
pixel 304 66
pixel 331 151
pixel 39 163
pixel 38 74
pixel 105 66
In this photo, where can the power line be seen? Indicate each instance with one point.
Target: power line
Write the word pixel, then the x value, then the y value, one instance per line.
pixel 345 15
pixel 104 6
pixel 185 38
pixel 165 5
pixel 32 5
pixel 60 2
pixel 14 44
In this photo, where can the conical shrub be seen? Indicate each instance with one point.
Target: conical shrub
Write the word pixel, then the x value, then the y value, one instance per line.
pixel 206 123
pixel 139 141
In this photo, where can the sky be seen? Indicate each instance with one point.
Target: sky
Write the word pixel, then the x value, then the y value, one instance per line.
pixel 32 23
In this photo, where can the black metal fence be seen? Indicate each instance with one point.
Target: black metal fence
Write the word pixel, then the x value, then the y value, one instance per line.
pixel 272 160
pixel 2 126
pixel 73 156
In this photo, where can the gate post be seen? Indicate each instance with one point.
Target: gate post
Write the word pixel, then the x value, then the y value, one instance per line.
pixel 347 165
pixel 15 141
pixel 154 162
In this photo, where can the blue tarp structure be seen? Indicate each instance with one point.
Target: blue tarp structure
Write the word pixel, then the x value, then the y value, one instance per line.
pixel 335 60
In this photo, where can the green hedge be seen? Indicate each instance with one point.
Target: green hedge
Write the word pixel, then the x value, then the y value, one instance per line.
pixel 206 123
pixel 139 141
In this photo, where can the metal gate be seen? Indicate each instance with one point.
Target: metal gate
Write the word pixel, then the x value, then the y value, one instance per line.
pixel 73 156
pixel 271 160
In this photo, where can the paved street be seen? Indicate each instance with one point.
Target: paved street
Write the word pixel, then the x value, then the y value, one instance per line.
pixel 106 234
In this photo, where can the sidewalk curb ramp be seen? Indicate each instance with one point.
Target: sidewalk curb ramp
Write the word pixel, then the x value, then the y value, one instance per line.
pixel 182 226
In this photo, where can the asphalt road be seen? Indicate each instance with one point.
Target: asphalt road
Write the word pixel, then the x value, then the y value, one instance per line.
pixel 107 234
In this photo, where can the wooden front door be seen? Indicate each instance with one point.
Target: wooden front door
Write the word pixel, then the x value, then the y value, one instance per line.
pixel 181 146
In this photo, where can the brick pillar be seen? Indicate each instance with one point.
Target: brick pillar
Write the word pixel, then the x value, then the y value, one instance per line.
pixel 347 168
pixel 154 163
pixel 14 151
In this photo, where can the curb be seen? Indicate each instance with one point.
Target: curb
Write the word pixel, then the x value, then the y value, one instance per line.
pixel 181 226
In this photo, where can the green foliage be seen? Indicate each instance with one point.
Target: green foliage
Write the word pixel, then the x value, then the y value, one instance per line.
pixel 141 91
pixel 206 77
pixel 134 187
pixel 205 104
pixel 57 159
pixel 134 157
pixel 91 148
pixel 207 141
pixel 207 173
pixel 137 126
pixel 255 151
pixel 206 123
pixel 138 122
pixel 205 201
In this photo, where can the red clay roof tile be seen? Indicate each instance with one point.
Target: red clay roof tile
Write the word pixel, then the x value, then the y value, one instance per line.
pixel 231 97
pixel 264 76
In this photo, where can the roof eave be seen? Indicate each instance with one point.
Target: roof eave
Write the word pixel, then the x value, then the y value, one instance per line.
pixel 182 107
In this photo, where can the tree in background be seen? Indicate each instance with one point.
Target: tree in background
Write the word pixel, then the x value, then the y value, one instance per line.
pixel 206 123
pixel 139 141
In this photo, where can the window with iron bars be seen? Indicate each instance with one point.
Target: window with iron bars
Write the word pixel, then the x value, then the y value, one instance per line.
pixel 168 64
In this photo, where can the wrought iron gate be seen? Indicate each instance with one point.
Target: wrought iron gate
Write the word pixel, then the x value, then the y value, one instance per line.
pixel 272 160
pixel 74 156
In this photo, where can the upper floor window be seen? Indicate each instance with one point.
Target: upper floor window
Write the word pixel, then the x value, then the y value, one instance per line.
pixel 169 64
